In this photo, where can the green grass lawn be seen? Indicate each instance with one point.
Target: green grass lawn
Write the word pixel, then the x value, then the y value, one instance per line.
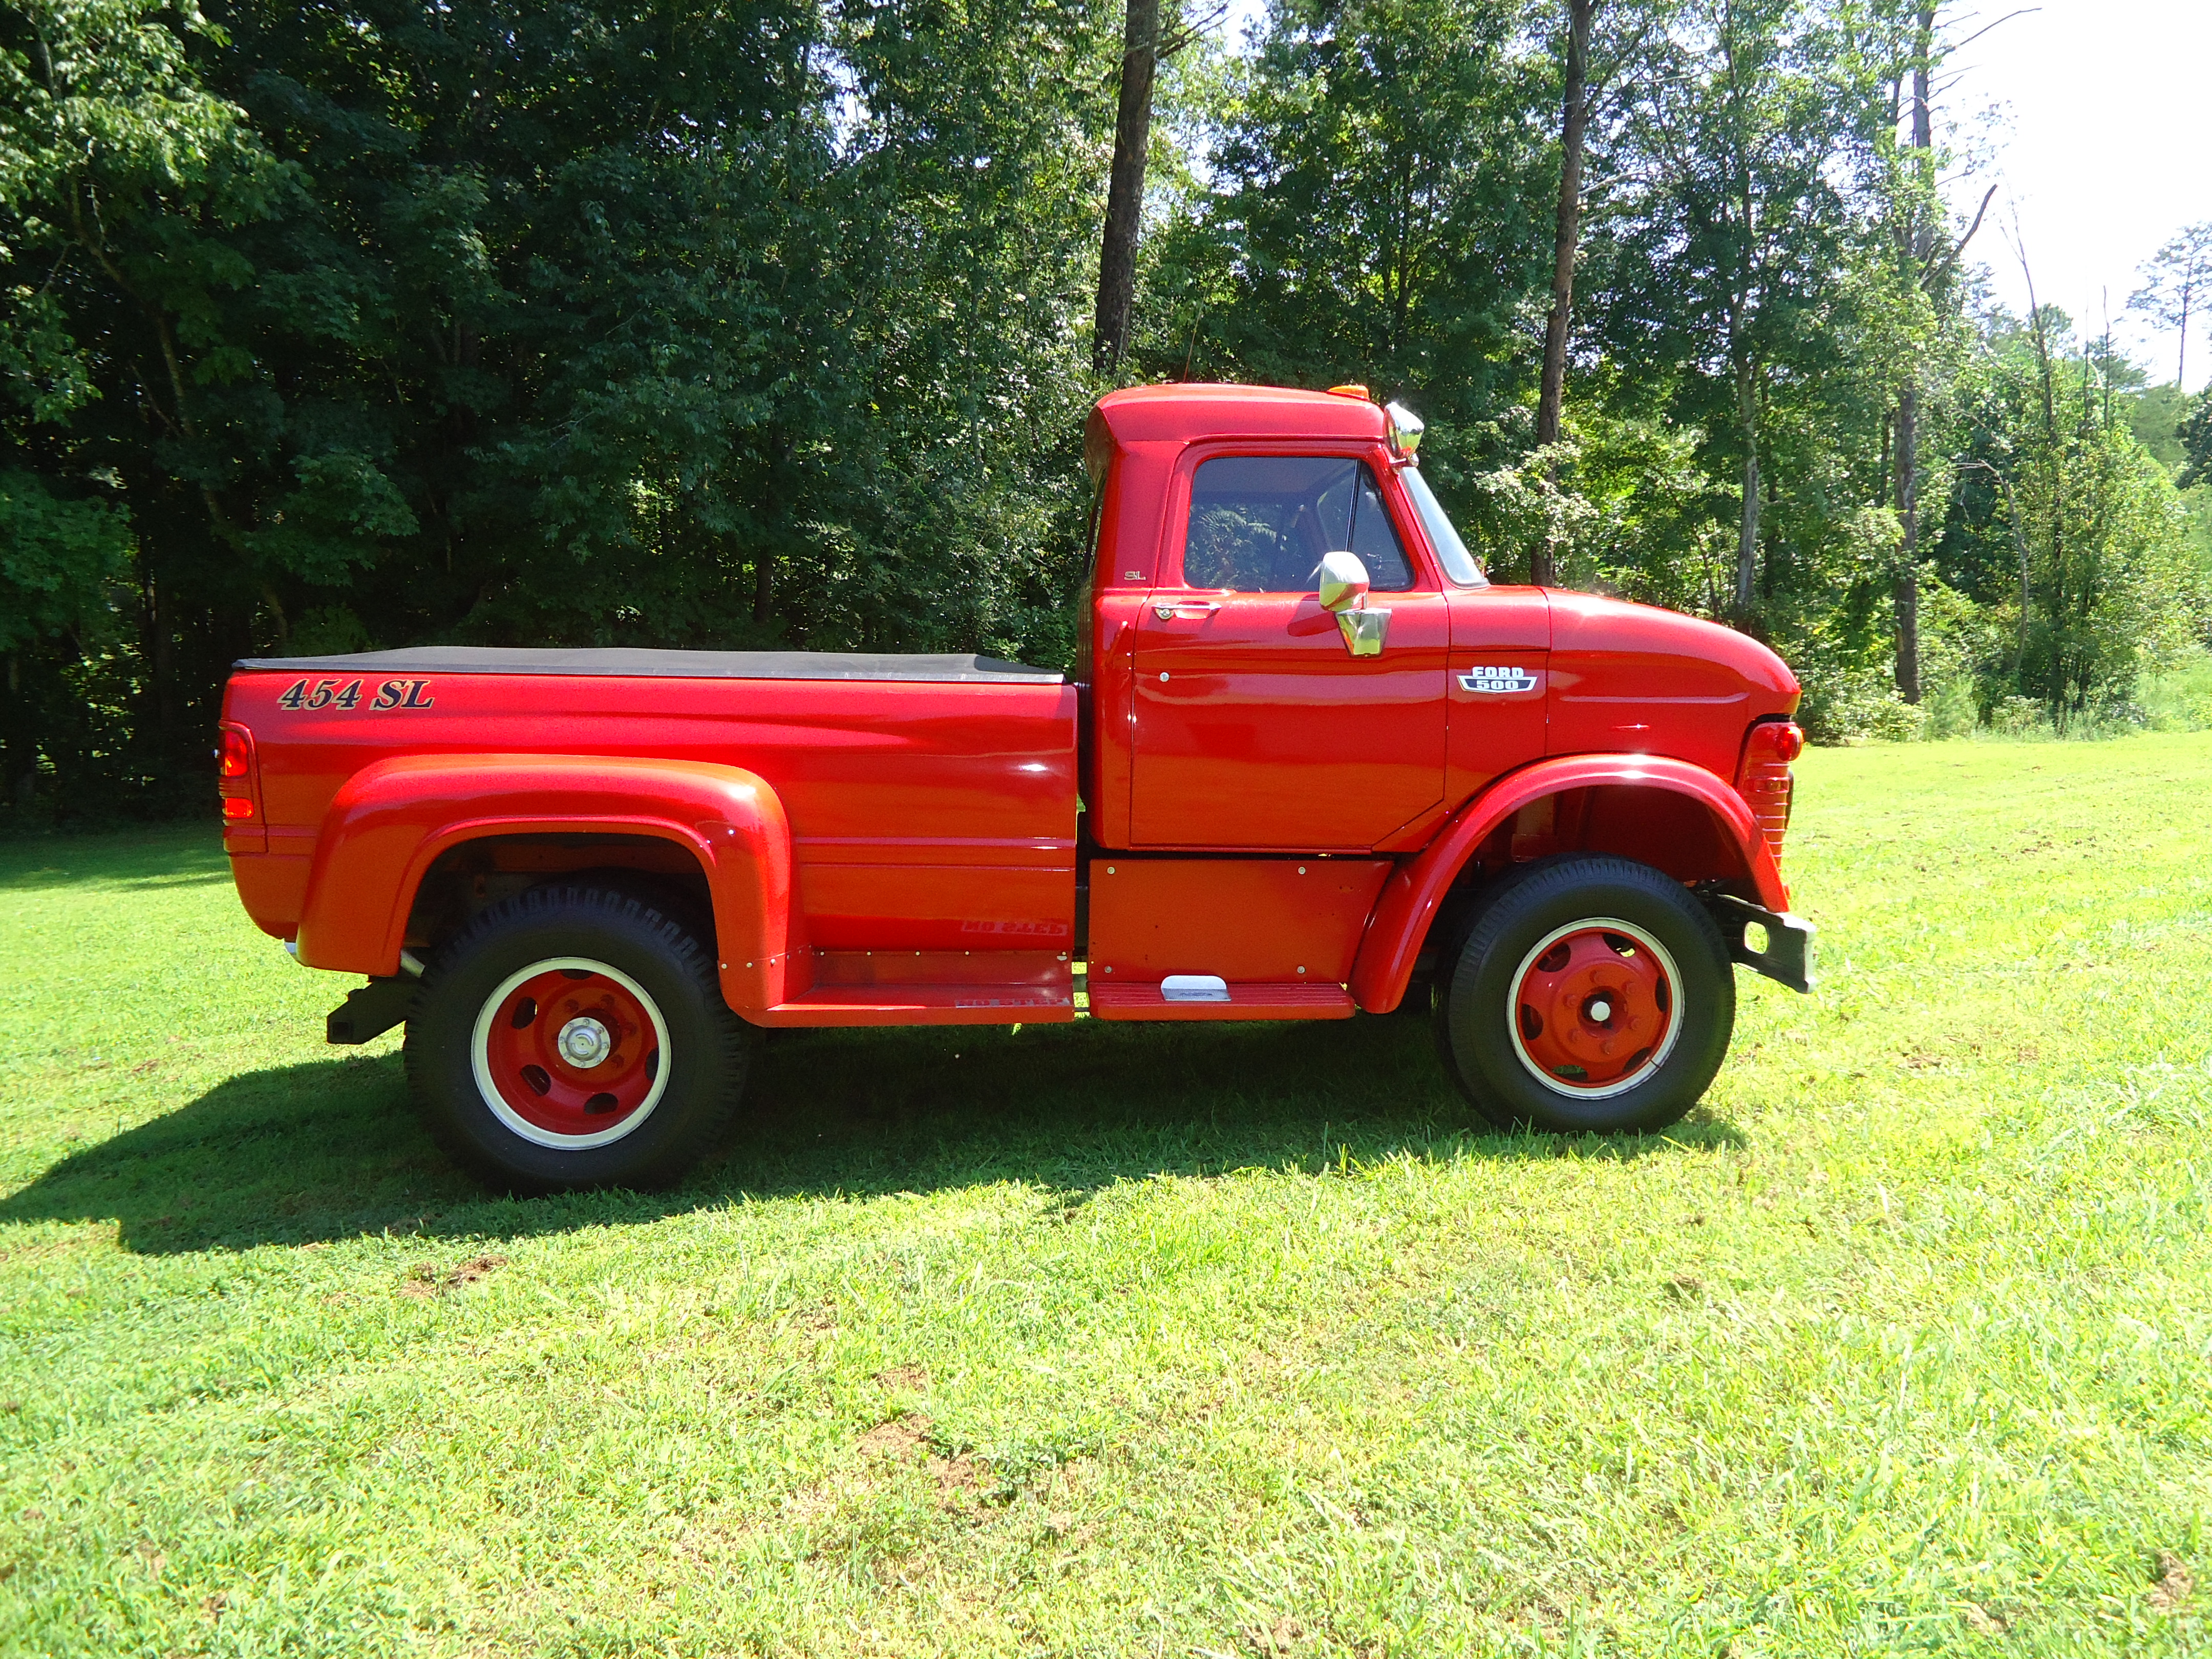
pixel 1182 1341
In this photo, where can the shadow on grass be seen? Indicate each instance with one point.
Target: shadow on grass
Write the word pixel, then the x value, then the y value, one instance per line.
pixel 330 1149
pixel 161 855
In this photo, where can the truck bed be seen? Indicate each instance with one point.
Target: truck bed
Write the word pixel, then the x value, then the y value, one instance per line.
pixel 931 799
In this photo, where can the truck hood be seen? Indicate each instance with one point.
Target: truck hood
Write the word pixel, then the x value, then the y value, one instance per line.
pixel 1669 641
pixel 1634 676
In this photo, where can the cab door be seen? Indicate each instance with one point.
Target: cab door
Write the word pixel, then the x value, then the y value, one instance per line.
pixel 1256 728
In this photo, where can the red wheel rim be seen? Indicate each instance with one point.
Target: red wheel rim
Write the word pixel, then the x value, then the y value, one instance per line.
pixel 571 1053
pixel 1595 1007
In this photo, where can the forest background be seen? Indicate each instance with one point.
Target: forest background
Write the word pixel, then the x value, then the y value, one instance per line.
pixel 329 328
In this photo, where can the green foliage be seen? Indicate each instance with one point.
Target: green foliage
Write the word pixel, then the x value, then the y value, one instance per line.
pixel 2179 696
pixel 2155 415
pixel 1375 215
pixel 525 323
pixel 2195 437
pixel 56 559
pixel 2109 587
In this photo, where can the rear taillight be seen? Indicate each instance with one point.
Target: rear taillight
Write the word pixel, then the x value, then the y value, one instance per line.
pixel 234 776
pixel 1763 779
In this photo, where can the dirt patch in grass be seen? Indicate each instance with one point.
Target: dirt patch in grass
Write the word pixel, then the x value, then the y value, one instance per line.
pixel 956 1475
pixel 2174 1584
pixel 425 1278
pixel 1286 1635
pixel 897 1441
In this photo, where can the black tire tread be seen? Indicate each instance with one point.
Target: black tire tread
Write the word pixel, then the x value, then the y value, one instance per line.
pixel 554 902
pixel 1531 886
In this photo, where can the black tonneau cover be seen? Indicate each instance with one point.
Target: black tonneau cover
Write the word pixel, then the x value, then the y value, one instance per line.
pixel 665 664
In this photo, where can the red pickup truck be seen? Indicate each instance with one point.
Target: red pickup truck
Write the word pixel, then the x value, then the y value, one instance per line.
pixel 1310 763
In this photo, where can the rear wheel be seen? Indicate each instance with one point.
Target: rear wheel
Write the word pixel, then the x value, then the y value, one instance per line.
pixel 575 1036
pixel 1591 993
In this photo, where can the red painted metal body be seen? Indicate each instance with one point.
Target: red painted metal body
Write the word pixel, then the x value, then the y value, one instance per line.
pixel 1254 799
pixel 913 818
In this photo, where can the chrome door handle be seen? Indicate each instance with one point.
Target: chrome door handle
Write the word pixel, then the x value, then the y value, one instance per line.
pixel 1191 610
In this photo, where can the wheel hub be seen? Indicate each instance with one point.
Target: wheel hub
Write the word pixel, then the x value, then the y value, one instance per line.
pixel 569 1053
pixel 1593 1007
pixel 584 1043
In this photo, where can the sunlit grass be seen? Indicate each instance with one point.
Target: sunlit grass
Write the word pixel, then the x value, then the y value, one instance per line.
pixel 1111 1340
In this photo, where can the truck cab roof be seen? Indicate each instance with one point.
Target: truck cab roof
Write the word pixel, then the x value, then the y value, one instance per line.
pixel 1185 410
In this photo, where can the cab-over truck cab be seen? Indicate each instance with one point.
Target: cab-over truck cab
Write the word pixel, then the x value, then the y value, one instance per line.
pixel 1311 762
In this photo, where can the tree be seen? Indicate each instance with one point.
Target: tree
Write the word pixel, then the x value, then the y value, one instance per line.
pixel 517 320
pixel 123 186
pixel 1927 260
pixel 1574 125
pixel 2174 280
pixel 1125 193
pixel 2196 435
pixel 1374 218
pixel 1737 218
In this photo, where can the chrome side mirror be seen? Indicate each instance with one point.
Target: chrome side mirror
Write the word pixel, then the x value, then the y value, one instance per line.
pixel 1341 581
pixel 1403 429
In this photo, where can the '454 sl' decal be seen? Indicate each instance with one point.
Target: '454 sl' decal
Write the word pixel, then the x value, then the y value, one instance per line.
pixel 392 695
pixel 1492 681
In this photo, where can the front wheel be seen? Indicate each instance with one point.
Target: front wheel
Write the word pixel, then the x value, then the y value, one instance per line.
pixel 575 1036
pixel 1592 994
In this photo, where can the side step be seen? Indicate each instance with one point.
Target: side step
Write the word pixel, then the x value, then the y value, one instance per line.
pixel 925 1004
pixel 932 987
pixel 1296 999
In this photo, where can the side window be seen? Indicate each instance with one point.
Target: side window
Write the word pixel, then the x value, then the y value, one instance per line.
pixel 1259 524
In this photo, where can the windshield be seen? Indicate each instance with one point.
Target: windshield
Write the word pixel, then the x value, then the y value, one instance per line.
pixel 1459 564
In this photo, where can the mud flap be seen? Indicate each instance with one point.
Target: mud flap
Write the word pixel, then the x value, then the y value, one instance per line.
pixel 370 1012
pixel 1788 957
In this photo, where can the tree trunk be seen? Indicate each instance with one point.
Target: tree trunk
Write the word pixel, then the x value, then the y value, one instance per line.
pixel 1125 192
pixel 2181 362
pixel 1907 590
pixel 1574 122
pixel 18 756
pixel 1746 546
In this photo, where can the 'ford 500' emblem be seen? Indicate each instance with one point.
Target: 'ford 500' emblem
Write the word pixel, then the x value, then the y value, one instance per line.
pixel 1494 680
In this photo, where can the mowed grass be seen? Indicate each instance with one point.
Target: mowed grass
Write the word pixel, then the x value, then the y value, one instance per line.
pixel 1180 1341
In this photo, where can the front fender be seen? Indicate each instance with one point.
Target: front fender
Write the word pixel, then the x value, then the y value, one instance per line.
pixel 1410 898
pixel 391 820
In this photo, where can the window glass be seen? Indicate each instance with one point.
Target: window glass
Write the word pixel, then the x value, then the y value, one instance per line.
pixel 1259 524
pixel 1097 518
pixel 1451 552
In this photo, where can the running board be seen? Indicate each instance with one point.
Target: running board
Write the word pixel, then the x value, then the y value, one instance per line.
pixel 925 1004
pixel 1295 999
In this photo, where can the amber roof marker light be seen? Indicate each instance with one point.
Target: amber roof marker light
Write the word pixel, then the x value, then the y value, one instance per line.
pixel 1351 389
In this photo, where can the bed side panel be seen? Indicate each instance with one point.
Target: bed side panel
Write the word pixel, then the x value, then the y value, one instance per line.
pixel 925 816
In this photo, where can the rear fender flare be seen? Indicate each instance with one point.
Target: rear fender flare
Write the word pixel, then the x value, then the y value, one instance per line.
pixel 390 821
pixel 1411 896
